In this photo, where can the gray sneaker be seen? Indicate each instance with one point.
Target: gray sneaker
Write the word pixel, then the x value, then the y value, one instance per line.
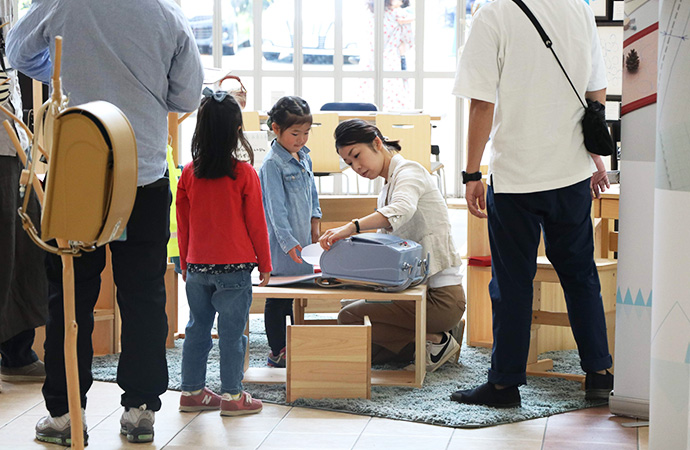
pixel 137 424
pixel 56 430
pixel 31 372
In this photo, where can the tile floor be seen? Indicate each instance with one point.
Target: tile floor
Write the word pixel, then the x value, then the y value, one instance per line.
pixel 284 427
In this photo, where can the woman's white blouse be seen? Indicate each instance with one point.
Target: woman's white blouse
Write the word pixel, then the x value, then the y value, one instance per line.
pixel 417 211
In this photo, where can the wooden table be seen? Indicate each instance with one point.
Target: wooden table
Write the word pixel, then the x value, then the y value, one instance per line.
pixel 302 295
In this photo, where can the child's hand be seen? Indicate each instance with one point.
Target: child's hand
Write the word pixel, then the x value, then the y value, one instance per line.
pixel 336 234
pixel 264 277
pixel 315 222
pixel 293 254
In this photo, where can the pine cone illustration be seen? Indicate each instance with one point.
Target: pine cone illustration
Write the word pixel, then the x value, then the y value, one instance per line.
pixel 632 61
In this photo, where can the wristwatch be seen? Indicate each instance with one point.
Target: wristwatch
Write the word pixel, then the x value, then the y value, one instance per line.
pixel 466 177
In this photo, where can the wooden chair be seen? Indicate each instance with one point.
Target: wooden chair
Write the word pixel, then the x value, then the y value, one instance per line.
pixel 414 133
pixel 325 160
pixel 251 122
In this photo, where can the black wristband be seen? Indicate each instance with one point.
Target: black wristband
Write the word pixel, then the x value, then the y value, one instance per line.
pixel 356 222
pixel 467 177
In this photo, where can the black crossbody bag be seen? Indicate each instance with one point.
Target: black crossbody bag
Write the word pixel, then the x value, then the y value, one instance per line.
pixel 597 137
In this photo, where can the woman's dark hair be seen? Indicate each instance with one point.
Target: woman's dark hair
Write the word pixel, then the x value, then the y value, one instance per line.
pixel 216 138
pixel 357 131
pixel 289 111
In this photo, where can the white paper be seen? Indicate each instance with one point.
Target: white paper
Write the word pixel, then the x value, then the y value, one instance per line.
pixel 312 254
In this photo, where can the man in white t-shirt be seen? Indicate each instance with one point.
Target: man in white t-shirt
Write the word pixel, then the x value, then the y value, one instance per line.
pixel 540 177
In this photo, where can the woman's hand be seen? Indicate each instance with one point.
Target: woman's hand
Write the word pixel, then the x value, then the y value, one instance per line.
pixel 184 275
pixel 264 277
pixel 600 179
pixel 293 254
pixel 335 234
pixel 315 225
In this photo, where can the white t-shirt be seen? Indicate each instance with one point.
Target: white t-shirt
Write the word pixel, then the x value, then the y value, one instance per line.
pixel 536 141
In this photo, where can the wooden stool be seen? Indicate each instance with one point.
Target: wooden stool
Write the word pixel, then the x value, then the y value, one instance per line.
pixel 328 360
pixel 549 309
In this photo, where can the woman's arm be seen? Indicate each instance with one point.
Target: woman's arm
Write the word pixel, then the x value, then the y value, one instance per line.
pixel 373 221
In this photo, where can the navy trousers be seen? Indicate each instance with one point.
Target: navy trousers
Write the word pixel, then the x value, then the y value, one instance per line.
pixel 139 265
pixel 515 223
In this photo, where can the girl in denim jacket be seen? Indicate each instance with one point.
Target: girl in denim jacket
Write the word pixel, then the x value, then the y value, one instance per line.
pixel 292 208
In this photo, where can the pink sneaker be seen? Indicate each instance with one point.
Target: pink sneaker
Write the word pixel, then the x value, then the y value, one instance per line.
pixel 206 400
pixel 243 405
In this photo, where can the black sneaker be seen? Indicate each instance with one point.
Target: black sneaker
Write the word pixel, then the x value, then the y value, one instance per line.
pixel 487 394
pixel 598 386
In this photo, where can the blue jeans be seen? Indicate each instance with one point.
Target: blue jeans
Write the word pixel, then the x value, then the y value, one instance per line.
pixel 229 295
pixel 515 224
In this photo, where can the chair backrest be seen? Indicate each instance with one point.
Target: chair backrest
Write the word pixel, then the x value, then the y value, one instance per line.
pixel 414 133
pixel 251 122
pixel 348 106
pixel 322 143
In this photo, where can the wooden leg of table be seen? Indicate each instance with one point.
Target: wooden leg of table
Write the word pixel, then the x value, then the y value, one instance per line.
pixel 420 343
pixel 299 305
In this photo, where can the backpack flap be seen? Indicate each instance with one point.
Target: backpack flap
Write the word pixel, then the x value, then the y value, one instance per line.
pixel 92 173
pixel 124 168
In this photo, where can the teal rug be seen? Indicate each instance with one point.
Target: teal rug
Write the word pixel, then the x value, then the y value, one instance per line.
pixel 541 397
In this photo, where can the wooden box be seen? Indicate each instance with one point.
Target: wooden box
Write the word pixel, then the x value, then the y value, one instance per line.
pixel 328 361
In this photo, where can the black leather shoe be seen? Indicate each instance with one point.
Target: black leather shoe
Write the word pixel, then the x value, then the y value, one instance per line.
pixel 487 394
pixel 598 386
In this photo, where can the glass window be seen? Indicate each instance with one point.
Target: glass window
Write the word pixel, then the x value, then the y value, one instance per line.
pixel 278 34
pixel 398 35
pixel 438 101
pixel 439 40
pixel 275 88
pixel 398 94
pixel 317 91
pixel 200 16
pixel 358 35
pixel 318 34
pixel 358 90
pixel 237 35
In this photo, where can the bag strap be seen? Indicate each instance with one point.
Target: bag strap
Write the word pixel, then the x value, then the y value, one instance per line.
pixel 547 42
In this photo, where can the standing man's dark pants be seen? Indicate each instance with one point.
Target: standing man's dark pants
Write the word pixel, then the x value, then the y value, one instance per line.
pixel 515 222
pixel 139 265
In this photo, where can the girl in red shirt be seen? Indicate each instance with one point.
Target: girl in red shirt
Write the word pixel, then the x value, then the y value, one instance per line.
pixel 222 235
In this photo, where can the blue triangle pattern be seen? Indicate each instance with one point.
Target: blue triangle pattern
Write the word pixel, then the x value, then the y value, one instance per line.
pixel 687 355
pixel 639 300
pixel 619 298
pixel 649 300
pixel 628 298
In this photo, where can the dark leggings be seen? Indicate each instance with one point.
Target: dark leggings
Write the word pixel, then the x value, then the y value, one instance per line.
pixel 275 312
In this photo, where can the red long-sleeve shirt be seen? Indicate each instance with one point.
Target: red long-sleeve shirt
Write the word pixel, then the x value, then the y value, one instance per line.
pixel 221 221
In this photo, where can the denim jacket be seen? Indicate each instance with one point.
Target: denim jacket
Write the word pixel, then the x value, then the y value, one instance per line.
pixel 290 201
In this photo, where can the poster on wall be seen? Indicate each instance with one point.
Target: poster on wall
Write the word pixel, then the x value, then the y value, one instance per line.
pixel 611 39
pixel 640 69
pixel 601 9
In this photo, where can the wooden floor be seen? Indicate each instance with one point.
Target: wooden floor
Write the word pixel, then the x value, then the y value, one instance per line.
pixel 284 427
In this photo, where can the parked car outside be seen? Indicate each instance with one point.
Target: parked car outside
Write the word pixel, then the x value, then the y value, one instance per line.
pixel 202 27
